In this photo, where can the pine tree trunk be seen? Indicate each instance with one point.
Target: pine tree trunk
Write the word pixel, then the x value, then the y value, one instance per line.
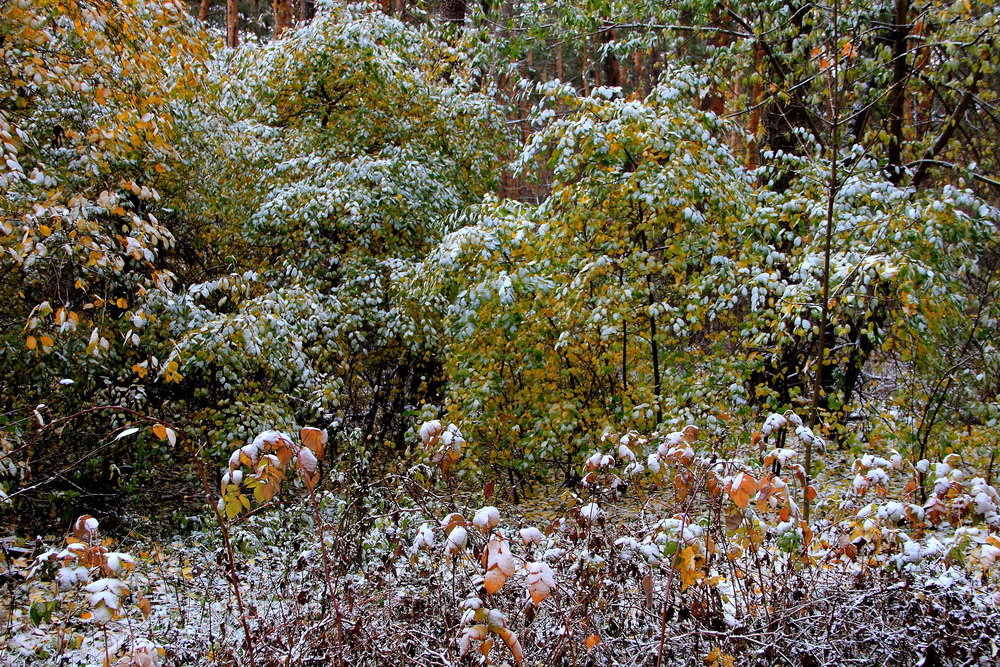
pixel 203 10
pixel 232 24
pixel 282 10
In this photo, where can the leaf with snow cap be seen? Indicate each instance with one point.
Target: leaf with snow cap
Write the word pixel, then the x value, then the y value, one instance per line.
pixel 314 439
pixel 486 519
pixel 530 535
pixel 85 527
pixel 591 513
pixel 540 581
pixel 457 539
pixel 308 467
pixel 499 564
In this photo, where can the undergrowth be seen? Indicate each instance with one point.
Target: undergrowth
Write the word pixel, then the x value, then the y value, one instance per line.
pixel 666 553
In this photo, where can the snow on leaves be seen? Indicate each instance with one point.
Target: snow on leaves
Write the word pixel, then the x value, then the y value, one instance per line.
pixel 267 459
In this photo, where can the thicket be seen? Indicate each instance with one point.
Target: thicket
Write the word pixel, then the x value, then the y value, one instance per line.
pixel 560 228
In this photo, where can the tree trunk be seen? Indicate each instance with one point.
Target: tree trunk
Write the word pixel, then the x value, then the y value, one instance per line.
pixel 203 10
pixel 282 10
pixel 232 24
pixel 898 37
pixel 453 11
pixel 307 10
pixel 612 72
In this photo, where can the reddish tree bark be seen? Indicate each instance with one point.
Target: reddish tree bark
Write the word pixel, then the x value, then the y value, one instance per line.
pixel 282 10
pixel 232 24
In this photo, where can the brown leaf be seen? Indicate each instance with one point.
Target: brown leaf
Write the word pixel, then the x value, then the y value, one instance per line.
pixel 85 527
pixel 647 590
pixel 315 440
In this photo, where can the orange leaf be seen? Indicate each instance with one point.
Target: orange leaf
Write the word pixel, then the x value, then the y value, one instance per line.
pixel 746 483
pixel 494 580
pixel 591 641
pixel 510 639
pixel 160 431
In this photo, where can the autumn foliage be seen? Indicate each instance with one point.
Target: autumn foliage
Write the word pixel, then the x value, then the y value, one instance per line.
pixel 556 332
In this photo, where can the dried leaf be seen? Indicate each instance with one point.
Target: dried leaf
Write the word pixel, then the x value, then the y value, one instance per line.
pixel 591 641
pixel 510 639
pixel 127 432
pixel 315 440
pixel 647 590
pixel 85 527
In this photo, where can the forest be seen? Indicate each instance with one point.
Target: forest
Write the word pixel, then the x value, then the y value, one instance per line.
pixel 533 332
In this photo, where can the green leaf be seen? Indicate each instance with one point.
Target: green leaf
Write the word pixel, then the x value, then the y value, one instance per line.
pixel 41 612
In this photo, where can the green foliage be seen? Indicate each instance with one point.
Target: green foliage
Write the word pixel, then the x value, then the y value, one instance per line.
pixel 563 309
pixel 656 278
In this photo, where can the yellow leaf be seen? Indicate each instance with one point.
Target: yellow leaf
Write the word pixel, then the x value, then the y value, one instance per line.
pixel 233 509
pixel 689 566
